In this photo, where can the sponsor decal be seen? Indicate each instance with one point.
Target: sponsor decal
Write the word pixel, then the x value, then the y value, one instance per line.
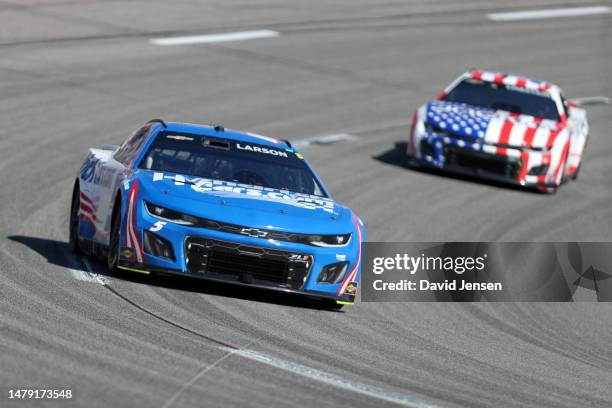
pixel 351 288
pixel 157 226
pixel 127 253
pixel 299 257
pixel 88 170
pixel 253 232
pixel 263 150
pixel 204 185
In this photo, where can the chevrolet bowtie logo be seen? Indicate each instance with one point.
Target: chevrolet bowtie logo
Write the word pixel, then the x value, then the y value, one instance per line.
pixel 253 232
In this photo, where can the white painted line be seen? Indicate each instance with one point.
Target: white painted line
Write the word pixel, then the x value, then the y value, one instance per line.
pixel 550 13
pixel 188 384
pixel 335 380
pixel 86 276
pixel 592 100
pixel 215 38
pixel 323 140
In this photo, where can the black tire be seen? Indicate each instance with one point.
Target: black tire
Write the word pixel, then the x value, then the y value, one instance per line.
pixel 112 258
pixel 331 304
pixel 73 220
pixel 575 175
pixel 550 190
pixel 412 163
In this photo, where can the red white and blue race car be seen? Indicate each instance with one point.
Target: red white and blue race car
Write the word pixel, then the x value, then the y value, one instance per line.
pixel 501 127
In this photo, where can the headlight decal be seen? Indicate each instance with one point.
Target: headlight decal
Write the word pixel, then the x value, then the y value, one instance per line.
pixel 326 241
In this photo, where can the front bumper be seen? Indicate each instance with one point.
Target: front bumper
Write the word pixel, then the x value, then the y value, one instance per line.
pixel 242 260
pixel 347 298
pixel 507 165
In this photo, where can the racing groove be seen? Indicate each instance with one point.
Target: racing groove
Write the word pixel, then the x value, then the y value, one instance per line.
pixel 355 68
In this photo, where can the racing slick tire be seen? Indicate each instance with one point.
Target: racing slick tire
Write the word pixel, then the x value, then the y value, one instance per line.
pixel 574 176
pixel 412 163
pixel 548 190
pixel 112 258
pixel 329 304
pixel 73 220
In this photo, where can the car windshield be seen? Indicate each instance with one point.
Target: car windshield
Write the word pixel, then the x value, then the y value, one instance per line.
pixel 504 97
pixel 228 160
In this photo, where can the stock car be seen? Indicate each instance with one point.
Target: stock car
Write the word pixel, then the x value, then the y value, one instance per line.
pixel 213 203
pixel 502 127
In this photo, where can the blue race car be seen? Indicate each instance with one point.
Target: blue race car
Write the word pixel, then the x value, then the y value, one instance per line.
pixel 217 204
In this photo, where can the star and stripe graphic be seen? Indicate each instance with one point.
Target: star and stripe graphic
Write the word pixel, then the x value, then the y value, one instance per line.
pixel 498 133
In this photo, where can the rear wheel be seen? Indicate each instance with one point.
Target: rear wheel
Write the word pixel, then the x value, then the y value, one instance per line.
pixel 73 221
pixel 112 260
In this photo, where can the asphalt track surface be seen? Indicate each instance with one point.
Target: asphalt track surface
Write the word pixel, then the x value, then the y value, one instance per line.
pixel 75 74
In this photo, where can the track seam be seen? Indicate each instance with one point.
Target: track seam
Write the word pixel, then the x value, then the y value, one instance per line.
pixel 163 319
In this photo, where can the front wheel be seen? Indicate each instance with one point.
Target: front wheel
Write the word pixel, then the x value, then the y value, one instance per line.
pixel 73 221
pixel 574 176
pixel 331 304
pixel 112 260
pixel 547 190
pixel 412 163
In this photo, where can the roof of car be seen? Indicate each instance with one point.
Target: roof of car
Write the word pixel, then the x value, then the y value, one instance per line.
pixel 220 131
pixel 513 80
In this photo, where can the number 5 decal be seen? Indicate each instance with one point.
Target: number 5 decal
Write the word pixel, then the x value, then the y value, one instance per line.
pixel 157 226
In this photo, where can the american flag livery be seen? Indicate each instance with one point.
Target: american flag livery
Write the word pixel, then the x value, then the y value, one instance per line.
pixel 494 143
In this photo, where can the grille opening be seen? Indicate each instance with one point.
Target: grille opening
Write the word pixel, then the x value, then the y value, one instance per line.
pixel 246 264
pixel 482 163
pixel 237 264
pixel 426 149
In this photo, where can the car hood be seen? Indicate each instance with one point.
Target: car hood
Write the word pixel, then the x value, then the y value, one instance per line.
pixel 483 125
pixel 244 205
